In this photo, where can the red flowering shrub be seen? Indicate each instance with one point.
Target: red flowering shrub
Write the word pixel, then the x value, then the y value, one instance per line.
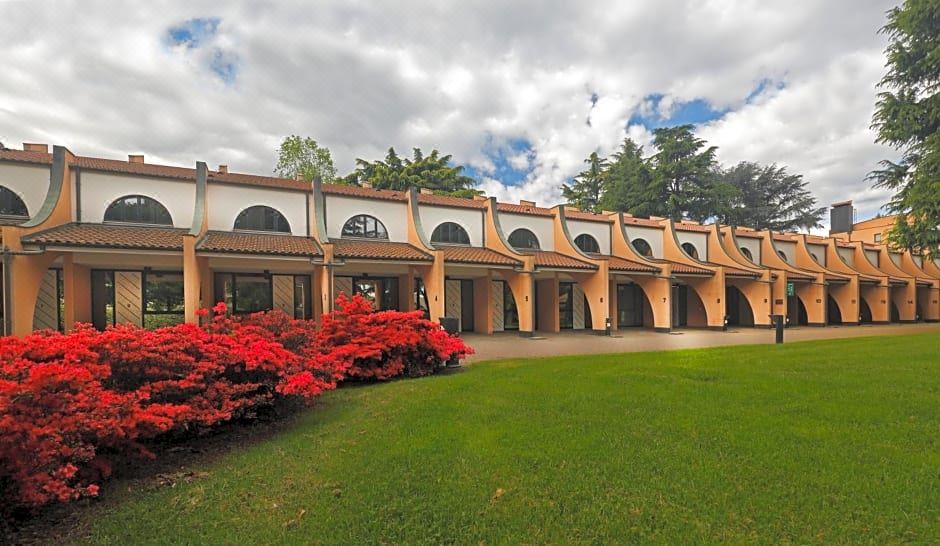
pixel 70 402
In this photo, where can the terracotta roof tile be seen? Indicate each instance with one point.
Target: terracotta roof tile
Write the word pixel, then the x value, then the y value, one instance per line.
pixel 23 156
pixel 259 243
pixel 587 216
pixel 512 208
pixel 748 233
pixel 684 269
pixel 477 255
pixel 616 263
pixel 554 260
pixel 127 167
pixel 368 193
pixel 800 276
pixel 682 226
pixel 835 278
pixel 369 249
pixel 262 181
pixel 633 221
pixel 110 236
pixel 735 272
pixel 450 201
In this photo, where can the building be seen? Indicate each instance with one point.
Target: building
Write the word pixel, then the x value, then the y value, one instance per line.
pixel 125 241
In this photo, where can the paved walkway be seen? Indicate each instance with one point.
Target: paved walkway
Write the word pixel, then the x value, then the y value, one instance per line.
pixel 510 345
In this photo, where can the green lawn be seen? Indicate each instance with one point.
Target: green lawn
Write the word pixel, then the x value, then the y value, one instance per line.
pixel 818 442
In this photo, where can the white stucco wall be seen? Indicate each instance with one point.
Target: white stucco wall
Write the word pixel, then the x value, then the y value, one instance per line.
pixel 873 256
pixel 227 201
pixel 653 236
pixel 99 190
pixel 896 258
pixel 30 182
pixel 601 232
pixel 818 252
pixel 753 245
pixel 469 219
pixel 848 255
pixel 696 239
pixel 789 249
pixel 541 226
pixel 393 214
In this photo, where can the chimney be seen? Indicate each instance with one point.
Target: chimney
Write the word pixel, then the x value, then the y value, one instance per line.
pixel 840 217
pixel 425 191
pixel 223 169
pixel 367 185
pixel 135 158
pixel 525 203
pixel 34 147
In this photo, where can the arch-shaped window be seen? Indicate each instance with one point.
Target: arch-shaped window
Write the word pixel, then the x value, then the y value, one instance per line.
pixel 11 204
pixel 138 209
pixel 451 234
pixel 587 243
pixel 690 249
pixel 747 253
pixel 262 218
pixel 524 239
pixel 783 255
pixel 364 226
pixel 643 248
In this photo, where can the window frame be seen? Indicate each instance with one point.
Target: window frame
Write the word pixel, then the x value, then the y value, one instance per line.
pixel 690 249
pixel 276 218
pixel 138 222
pixel 538 244
pixel 639 248
pixel 15 201
pixel 596 248
pixel 378 224
pixel 454 228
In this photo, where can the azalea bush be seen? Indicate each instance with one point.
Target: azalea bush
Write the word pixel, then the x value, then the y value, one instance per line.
pixel 71 404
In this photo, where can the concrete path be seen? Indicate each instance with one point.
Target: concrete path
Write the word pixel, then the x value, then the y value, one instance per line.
pixel 510 345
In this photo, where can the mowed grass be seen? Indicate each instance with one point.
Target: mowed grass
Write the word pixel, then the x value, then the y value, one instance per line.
pixel 818 442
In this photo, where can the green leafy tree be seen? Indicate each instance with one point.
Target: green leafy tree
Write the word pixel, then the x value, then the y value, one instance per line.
pixel 588 186
pixel 907 118
pixel 768 197
pixel 629 183
pixel 433 171
pixel 685 181
pixel 302 157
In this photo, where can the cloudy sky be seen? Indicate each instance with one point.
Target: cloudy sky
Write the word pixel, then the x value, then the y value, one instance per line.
pixel 518 92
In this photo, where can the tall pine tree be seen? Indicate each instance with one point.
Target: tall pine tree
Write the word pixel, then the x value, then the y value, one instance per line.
pixel 588 186
pixel 768 197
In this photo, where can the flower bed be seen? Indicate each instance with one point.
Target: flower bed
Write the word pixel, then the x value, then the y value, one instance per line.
pixel 70 404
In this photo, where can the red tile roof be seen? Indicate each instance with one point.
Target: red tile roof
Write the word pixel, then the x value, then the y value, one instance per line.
pixel 368 193
pixel 259 243
pixel 449 201
pixel 587 216
pixel 512 208
pixel 554 260
pixel 735 272
pixel 368 249
pixel 127 167
pixel 622 264
pixel 682 226
pixel 262 181
pixel 748 233
pixel 477 255
pixel 835 278
pixel 643 222
pixel 22 156
pixel 800 276
pixel 684 269
pixel 109 236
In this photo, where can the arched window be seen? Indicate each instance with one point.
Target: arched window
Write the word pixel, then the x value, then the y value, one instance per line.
pixel 138 209
pixel 262 218
pixel 11 204
pixel 364 226
pixel 587 243
pixel 450 233
pixel 689 249
pixel 747 253
pixel 782 255
pixel 524 239
pixel 643 248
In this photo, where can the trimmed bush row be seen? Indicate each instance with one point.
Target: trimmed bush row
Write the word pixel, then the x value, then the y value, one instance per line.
pixel 71 404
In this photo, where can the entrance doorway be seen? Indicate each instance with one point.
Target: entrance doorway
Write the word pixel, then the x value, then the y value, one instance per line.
pixel 680 305
pixel 629 305
pixel 737 308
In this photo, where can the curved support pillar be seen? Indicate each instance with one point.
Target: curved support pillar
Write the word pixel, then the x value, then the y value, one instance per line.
pixel 482 296
pixel 813 296
pixel 905 298
pixel 433 278
pixel 876 297
pixel 597 291
pixel 846 297
pixel 929 300
pixel 522 286
pixel 548 315
pixel 711 292
pixel 658 292
pixel 758 296
pixel 778 294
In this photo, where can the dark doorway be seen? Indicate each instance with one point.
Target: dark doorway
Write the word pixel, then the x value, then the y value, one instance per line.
pixel 864 312
pixel 737 308
pixel 796 311
pixel 566 305
pixel 895 313
pixel 466 305
pixel 102 299
pixel 588 319
pixel 680 305
pixel 510 312
pixel 629 305
pixel 833 313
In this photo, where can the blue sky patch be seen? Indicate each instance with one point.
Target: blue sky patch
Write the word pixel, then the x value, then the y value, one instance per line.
pixel 692 112
pixel 194 32
pixel 501 156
